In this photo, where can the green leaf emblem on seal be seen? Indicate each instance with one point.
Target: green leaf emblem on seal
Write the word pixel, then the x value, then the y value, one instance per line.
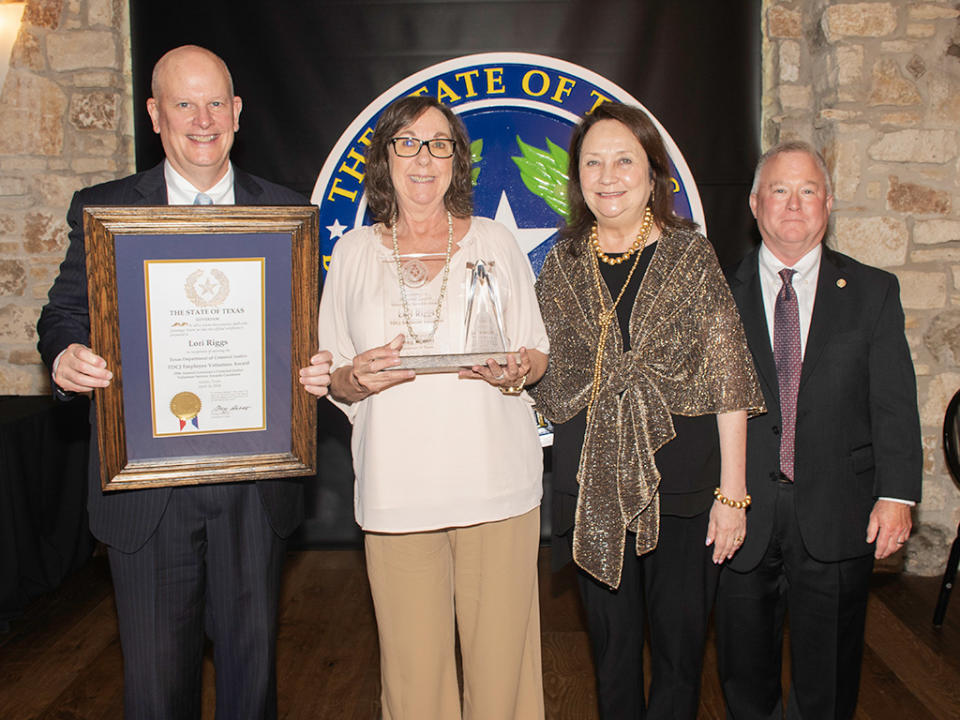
pixel 544 172
pixel 476 155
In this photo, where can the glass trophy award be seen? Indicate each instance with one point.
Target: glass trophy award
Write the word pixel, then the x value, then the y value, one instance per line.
pixel 483 319
pixel 432 342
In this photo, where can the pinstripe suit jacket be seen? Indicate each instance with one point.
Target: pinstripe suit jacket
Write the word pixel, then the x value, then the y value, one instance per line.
pixel 125 520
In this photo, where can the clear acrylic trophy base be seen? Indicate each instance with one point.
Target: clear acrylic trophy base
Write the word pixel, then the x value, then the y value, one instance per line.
pixel 453 362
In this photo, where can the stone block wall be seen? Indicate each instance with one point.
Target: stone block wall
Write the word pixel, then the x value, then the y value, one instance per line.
pixel 876 86
pixel 65 122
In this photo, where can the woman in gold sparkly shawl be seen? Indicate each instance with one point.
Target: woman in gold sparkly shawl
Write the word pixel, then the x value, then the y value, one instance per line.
pixel 649 383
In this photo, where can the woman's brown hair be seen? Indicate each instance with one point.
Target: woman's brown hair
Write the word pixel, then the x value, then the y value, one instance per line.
pixel 581 219
pixel 381 195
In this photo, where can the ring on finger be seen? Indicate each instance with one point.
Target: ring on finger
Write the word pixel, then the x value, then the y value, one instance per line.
pixel 738 540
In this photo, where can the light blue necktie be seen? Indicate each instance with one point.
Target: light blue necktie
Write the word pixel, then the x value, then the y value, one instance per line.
pixel 202 199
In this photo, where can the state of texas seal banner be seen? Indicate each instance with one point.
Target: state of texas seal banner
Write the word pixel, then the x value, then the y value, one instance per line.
pixel 519 110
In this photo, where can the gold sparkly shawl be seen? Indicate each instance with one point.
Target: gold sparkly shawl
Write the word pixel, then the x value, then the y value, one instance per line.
pixel 688 356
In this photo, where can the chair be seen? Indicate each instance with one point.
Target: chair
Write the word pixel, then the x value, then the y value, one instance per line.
pixel 951 448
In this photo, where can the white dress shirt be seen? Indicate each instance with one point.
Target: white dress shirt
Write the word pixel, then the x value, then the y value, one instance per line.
pixel 804 284
pixel 181 191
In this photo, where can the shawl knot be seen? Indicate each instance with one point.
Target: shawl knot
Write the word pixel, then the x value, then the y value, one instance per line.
pixel 611 503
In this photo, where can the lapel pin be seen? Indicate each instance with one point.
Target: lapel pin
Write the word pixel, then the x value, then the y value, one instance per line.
pixel 841 283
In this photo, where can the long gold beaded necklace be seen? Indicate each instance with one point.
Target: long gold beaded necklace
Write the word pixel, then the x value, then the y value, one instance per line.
pixel 606 317
pixel 403 286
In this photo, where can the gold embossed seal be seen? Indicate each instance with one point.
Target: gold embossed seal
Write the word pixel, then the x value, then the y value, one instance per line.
pixel 185 406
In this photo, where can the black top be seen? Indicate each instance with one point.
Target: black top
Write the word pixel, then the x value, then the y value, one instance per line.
pixel 689 464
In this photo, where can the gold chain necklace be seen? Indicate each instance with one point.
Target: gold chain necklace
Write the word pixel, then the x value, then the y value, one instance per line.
pixel 403 286
pixel 606 317
pixel 639 242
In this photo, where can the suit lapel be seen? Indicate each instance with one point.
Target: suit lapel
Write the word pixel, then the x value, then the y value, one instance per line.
pixel 827 304
pixel 246 190
pixel 746 291
pixel 152 187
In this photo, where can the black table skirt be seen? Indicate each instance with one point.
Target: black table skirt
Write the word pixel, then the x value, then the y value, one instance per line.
pixel 44 532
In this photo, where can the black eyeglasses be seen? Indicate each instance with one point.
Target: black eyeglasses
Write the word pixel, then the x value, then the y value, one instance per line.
pixel 440 148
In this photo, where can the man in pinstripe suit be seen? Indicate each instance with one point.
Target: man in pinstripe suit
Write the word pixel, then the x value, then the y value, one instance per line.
pixel 185 561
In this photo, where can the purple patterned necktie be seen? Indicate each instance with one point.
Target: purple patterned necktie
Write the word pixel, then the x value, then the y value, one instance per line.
pixel 786 352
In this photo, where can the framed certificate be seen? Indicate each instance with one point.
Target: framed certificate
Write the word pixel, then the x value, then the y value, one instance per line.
pixel 205 316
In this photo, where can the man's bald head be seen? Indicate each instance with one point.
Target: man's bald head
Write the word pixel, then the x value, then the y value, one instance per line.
pixel 172 58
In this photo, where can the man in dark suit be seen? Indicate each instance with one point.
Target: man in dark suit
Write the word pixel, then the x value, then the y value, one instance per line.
pixel 190 560
pixel 835 464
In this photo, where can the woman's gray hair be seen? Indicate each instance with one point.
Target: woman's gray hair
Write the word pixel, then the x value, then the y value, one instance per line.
pixel 792 146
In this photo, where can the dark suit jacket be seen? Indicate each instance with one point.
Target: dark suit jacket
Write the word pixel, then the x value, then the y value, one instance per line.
pixel 858 429
pixel 126 519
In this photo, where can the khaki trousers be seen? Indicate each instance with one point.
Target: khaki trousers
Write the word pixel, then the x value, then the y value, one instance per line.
pixel 481 580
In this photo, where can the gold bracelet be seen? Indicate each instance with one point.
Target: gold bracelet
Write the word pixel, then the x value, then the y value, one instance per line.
pixel 515 389
pixel 738 504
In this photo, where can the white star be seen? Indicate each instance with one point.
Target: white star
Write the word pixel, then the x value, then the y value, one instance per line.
pixel 336 230
pixel 527 238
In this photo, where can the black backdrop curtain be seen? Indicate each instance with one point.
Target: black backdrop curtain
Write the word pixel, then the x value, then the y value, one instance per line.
pixel 306 69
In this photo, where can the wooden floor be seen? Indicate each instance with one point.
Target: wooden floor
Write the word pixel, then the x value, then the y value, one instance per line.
pixel 62 658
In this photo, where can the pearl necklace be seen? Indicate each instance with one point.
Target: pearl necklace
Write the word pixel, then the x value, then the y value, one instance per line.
pixel 403 286
pixel 641 240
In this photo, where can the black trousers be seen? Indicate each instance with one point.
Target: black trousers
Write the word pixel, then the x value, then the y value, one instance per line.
pixel 826 602
pixel 212 567
pixel 672 590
